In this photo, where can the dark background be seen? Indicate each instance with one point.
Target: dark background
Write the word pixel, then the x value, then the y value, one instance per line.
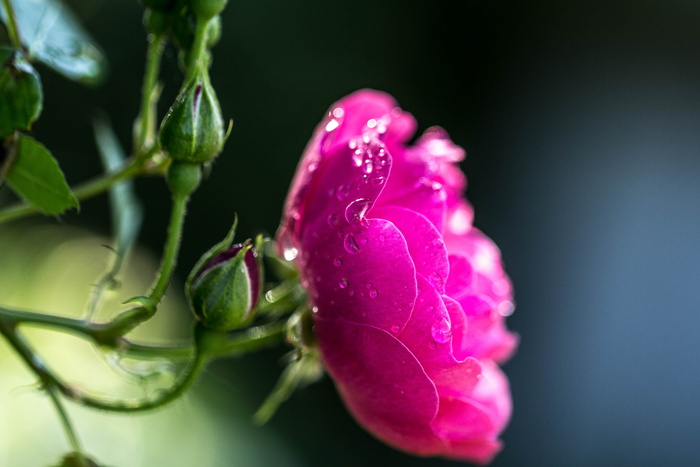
pixel 580 120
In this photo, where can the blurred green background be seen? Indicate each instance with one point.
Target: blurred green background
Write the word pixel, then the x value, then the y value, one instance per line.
pixel 580 120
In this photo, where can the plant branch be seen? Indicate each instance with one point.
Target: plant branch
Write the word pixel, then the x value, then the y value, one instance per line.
pixel 12 30
pixel 146 121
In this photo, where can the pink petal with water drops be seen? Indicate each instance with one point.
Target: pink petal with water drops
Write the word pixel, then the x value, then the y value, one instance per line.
pixel 382 384
pixel 425 243
pixel 345 186
pixel 369 109
pixel 363 274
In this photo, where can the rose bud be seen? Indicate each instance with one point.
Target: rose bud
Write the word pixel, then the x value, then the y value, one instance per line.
pixel 224 291
pixel 409 298
pixel 193 129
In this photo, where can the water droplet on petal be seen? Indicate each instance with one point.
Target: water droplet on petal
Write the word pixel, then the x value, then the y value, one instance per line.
pixel 290 253
pixel 378 181
pixel 343 283
pixel 506 308
pixel 338 112
pixel 337 262
pixel 373 293
pixel 395 328
pixel 332 220
pixel 357 158
pixel 441 331
pixel 368 167
pixel 332 125
pixel 343 192
pixel 355 211
pixel 351 245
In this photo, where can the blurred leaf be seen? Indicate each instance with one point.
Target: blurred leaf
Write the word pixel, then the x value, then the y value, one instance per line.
pixel 127 213
pixel 53 36
pixel 20 92
pixel 36 177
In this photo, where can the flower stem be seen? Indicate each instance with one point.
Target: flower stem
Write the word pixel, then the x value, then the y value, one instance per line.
pixel 146 119
pixel 198 50
pixel 67 427
pixel 12 30
pixel 171 249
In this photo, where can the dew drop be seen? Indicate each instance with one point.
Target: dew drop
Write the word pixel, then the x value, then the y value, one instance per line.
pixel 356 210
pixel 342 193
pixel 441 331
pixel 395 328
pixel 378 181
pixel 506 308
pixel 368 167
pixel 351 245
pixel 290 253
pixel 343 284
pixel 332 220
pixel 432 345
pixel 337 262
pixel 373 293
pixel 352 144
pixel 357 158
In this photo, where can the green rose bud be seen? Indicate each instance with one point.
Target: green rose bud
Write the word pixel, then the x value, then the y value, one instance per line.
pixel 224 292
pixel 193 129
pixel 20 92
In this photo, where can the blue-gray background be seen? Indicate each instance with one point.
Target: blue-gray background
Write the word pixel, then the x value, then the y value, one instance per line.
pixel 580 120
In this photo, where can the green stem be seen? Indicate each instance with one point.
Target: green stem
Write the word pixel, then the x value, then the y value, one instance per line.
pixel 199 48
pixel 12 29
pixel 251 339
pixel 68 427
pixel 84 191
pixel 171 249
pixel 147 118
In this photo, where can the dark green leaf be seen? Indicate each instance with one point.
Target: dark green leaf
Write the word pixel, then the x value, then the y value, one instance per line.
pixel 20 92
pixel 36 177
pixel 54 37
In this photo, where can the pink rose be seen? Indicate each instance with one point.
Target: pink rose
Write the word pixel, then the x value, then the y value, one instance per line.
pixel 409 299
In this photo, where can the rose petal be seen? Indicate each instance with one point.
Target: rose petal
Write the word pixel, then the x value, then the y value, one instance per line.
pixel 462 419
pixel 364 274
pixel 460 326
pixel 425 243
pixel 382 383
pixel 478 451
pixel 425 197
